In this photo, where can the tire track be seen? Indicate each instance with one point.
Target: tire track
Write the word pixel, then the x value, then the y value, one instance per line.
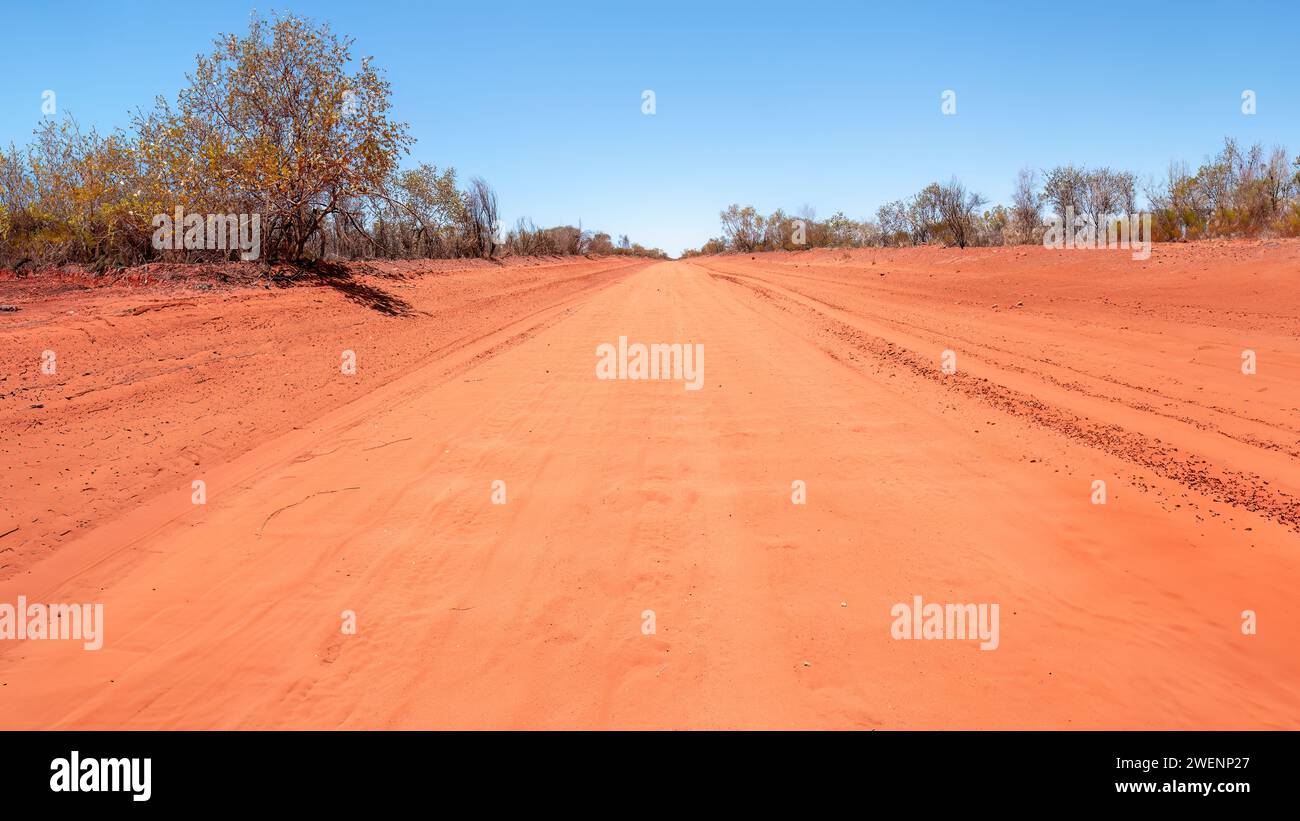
pixel 1242 489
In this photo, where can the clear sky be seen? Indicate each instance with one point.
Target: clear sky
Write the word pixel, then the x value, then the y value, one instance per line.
pixel 832 105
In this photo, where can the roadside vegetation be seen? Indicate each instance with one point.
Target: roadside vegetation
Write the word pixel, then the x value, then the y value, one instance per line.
pixel 1239 192
pixel 280 122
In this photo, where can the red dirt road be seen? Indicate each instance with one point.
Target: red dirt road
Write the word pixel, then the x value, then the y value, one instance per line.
pixel 628 496
pixel 152 385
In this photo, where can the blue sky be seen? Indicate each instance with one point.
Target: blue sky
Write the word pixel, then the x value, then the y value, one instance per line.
pixel 832 105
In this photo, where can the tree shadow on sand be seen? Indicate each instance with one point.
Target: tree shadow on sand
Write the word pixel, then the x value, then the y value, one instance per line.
pixel 343 280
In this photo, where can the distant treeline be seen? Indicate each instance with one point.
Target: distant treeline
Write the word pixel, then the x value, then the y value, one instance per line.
pixel 271 124
pixel 1237 193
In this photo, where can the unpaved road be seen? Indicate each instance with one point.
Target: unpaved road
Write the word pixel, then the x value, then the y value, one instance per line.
pixel 152 385
pixel 631 496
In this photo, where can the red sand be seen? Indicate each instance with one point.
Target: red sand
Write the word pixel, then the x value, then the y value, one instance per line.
pixel 372 493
